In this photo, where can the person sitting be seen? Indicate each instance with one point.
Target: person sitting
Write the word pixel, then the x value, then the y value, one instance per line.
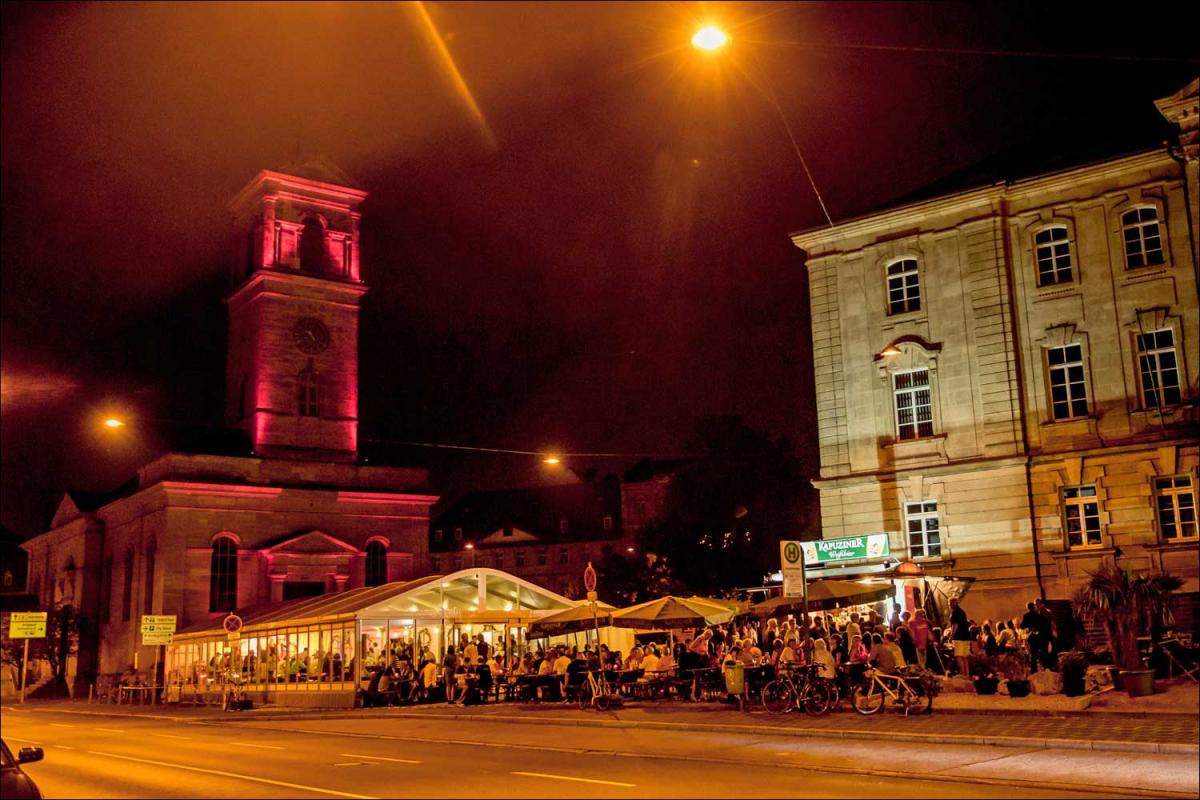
pixel 826 668
pixel 666 662
pixel 635 658
pixel 790 656
pixel 650 662
pixel 893 647
pixel 575 676
pixel 883 659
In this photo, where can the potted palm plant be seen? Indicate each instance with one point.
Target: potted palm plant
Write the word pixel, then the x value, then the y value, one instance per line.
pixel 1125 605
pixel 1015 669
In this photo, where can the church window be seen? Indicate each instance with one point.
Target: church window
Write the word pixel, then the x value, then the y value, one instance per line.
pixel 313 257
pixel 222 587
pixel 148 592
pixel 309 401
pixel 127 591
pixel 376 563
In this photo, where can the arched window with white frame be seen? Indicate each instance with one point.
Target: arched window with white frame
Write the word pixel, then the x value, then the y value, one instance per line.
pixel 1052 248
pixel 903 286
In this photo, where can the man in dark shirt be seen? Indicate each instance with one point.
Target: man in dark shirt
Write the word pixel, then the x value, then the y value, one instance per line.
pixel 962 637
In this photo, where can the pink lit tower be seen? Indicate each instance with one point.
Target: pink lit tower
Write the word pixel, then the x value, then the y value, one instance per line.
pixel 292 364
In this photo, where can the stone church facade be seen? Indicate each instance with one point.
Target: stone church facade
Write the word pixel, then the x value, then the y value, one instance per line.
pixel 1006 376
pixel 298 513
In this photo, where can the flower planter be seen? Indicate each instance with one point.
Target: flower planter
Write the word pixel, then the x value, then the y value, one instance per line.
pixel 1017 688
pixel 986 685
pixel 1137 682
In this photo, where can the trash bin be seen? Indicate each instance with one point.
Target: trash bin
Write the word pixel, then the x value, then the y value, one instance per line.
pixel 735 677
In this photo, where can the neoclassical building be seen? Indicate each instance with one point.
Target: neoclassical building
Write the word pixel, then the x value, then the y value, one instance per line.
pixel 1006 375
pixel 291 510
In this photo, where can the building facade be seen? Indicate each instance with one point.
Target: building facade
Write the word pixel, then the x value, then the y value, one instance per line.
pixel 292 511
pixel 1007 376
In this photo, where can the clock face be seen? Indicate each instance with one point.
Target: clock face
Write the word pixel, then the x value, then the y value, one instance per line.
pixel 311 335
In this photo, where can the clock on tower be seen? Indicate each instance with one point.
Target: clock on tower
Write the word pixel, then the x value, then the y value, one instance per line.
pixel 292 364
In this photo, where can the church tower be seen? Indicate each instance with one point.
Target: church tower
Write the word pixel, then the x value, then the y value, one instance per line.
pixel 292 364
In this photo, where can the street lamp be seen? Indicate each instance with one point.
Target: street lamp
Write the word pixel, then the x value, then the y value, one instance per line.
pixel 113 422
pixel 710 39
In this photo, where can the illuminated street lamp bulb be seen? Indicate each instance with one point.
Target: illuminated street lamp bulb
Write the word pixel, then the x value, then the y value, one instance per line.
pixel 628 549
pixel 470 546
pixel 890 350
pixel 709 38
pixel 113 423
pixel 551 459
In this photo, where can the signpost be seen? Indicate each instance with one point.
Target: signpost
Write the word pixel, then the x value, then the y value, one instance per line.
pixel 589 582
pixel 233 627
pixel 26 625
pixel 157 629
pixel 795 584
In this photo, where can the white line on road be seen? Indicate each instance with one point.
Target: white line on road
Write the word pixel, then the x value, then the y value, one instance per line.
pixel 111 730
pixel 235 775
pixel 64 747
pixel 171 736
pixel 263 746
pixel 60 725
pixel 380 758
pixel 26 741
pixel 569 778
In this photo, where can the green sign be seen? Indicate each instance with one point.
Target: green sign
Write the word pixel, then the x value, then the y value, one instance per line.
pixel 27 625
pixel 847 548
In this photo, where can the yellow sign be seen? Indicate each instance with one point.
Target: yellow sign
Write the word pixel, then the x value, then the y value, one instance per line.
pixel 27 625
pixel 157 637
pixel 158 623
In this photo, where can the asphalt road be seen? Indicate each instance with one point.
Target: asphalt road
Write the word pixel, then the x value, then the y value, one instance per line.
pixel 111 756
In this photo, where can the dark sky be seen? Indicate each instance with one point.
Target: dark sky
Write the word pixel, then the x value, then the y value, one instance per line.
pixel 604 263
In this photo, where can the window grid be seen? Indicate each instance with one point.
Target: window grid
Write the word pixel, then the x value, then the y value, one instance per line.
pixel 924 531
pixel 222 591
pixel 520 559
pixel 564 556
pixel 1143 239
pixel 1068 387
pixel 1053 256
pixel 1081 510
pixel 914 406
pixel 1159 367
pixel 541 558
pixel 904 288
pixel 1175 498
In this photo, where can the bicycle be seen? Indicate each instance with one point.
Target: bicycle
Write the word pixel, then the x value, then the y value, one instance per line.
pixel 801 688
pixel 598 693
pixel 878 688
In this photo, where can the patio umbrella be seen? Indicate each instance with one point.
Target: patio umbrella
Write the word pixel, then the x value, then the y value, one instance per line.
pixel 671 613
pixel 571 620
pixel 824 595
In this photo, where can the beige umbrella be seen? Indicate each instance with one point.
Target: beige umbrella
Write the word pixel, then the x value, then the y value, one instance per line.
pixel 671 613
pixel 571 620
pixel 824 595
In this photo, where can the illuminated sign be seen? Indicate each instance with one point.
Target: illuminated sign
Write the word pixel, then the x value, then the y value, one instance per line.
pixel 846 548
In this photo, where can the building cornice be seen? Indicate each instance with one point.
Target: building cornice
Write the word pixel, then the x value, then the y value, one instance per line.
pixel 824 241
pixel 897 475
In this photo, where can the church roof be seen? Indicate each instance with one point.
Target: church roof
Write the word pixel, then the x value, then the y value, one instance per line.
pixel 318 168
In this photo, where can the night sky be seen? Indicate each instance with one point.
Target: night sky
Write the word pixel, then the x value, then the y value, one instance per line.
pixel 592 263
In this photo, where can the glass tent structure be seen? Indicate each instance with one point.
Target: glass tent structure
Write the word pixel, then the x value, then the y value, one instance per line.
pixel 315 651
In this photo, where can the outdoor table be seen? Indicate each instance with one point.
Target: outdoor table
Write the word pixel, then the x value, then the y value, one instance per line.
pixel 143 693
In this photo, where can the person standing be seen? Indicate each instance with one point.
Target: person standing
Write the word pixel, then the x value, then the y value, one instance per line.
pixel 961 636
pixel 1037 631
pixel 920 630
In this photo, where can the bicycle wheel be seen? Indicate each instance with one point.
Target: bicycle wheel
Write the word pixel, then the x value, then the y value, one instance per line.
pixel 917 702
pixel 585 696
pixel 867 699
pixel 817 699
pixel 778 697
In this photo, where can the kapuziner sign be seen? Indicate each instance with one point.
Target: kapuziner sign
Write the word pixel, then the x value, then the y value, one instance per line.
pixel 846 548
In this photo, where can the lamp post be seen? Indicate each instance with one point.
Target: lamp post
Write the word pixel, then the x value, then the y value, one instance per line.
pixel 711 39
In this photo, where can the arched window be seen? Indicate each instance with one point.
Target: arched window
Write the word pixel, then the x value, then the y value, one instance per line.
pixel 903 286
pixel 1053 251
pixel 222 587
pixel 309 399
pixel 148 589
pixel 312 248
pixel 376 563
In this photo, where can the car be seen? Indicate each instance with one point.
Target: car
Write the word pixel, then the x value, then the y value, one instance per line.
pixel 14 783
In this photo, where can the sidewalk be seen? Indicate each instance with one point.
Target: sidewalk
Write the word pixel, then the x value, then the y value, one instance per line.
pixel 1175 734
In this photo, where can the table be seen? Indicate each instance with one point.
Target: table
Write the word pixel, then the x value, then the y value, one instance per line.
pixel 143 693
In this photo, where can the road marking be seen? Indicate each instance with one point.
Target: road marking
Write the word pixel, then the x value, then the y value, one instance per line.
pixel 569 778
pixel 171 736
pixel 64 747
pixel 353 764
pixel 380 758
pixel 110 730
pixel 236 775
pixel 26 741
pixel 263 746
pixel 60 725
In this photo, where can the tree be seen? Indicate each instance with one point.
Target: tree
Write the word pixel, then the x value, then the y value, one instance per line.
pixel 1125 606
pixel 727 509
pixel 623 580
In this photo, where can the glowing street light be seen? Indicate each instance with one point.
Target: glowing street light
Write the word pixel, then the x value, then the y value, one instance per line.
pixel 709 38
pixel 551 459
pixel 113 422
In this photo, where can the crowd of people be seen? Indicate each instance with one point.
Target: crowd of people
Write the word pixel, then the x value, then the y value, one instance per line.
pixel 841 647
